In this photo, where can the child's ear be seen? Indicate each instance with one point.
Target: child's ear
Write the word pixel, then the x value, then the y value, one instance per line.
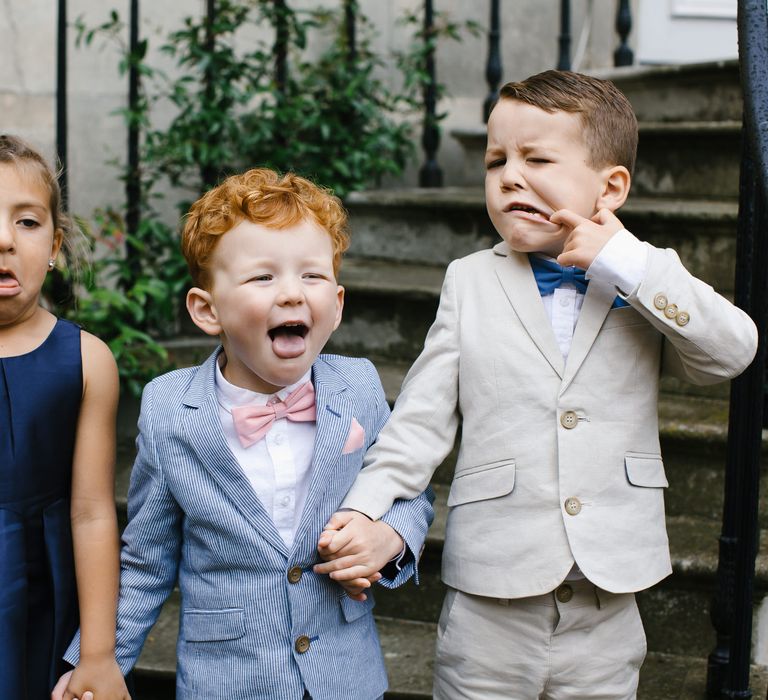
pixel 202 311
pixel 616 181
pixel 339 305
pixel 58 240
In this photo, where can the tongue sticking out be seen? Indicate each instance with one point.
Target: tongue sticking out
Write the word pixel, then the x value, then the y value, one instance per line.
pixel 8 283
pixel 288 341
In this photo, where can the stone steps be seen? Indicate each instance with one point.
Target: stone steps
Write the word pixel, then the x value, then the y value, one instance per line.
pixel 684 197
pixel 675 612
pixel 692 92
pixel 408 654
pixel 682 159
pixel 432 227
pixel 390 306
pixel 693 431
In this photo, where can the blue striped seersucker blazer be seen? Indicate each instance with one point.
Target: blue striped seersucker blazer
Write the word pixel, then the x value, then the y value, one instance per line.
pixel 194 518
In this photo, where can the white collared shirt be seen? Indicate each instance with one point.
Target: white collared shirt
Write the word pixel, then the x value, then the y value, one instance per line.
pixel 621 262
pixel 279 466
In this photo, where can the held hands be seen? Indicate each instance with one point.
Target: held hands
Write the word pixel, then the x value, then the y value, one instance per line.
pixel 587 237
pixel 96 679
pixel 355 548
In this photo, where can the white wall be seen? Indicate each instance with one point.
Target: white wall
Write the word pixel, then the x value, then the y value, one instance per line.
pixel 686 31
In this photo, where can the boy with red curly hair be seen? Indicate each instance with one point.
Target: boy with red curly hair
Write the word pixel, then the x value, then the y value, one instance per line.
pixel 243 459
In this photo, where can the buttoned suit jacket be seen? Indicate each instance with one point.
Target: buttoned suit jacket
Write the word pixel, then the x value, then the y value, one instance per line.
pixel 195 518
pixel 491 362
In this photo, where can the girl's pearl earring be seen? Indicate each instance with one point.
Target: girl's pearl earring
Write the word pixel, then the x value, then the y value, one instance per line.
pixel 51 263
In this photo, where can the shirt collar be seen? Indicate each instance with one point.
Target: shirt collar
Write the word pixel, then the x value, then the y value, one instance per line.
pixel 230 395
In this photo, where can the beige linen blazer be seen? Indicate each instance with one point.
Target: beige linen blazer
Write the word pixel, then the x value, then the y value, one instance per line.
pixel 558 461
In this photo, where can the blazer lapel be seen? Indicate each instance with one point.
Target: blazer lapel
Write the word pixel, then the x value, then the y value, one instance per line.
pixel 203 430
pixel 516 277
pixel 334 417
pixel 597 303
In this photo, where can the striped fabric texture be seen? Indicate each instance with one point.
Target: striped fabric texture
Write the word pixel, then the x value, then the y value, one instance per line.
pixel 195 521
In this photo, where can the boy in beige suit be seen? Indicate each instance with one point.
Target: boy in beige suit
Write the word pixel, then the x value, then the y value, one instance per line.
pixel 557 503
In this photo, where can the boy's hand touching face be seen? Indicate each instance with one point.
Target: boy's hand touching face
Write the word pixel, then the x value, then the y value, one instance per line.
pixel 587 236
pixel 355 548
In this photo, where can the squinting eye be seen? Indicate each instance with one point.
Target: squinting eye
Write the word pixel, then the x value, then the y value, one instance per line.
pixel 261 278
pixel 538 160
pixel 495 163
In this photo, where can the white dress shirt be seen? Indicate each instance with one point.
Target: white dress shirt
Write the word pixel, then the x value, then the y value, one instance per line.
pixel 279 466
pixel 621 262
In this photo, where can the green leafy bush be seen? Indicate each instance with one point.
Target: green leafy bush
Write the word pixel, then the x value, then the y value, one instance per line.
pixel 330 117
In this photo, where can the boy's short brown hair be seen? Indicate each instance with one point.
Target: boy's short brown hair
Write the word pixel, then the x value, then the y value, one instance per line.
pixel 607 118
pixel 263 197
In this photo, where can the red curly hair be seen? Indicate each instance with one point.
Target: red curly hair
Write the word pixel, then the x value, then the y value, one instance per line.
pixel 263 197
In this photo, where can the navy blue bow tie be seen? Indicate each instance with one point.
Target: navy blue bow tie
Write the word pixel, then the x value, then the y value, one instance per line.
pixel 550 275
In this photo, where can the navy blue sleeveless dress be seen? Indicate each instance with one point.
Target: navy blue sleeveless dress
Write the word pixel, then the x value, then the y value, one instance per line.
pixel 40 395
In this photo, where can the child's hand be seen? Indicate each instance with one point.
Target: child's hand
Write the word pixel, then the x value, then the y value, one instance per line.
pixel 356 548
pixel 100 677
pixel 356 587
pixel 587 237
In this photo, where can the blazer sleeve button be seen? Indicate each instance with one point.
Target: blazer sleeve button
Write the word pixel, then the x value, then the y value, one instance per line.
pixel 682 318
pixel 660 301
pixel 671 311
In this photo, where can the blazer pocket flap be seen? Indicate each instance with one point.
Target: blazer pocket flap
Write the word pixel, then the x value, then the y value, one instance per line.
pixel 354 609
pixel 213 625
pixel 482 483
pixel 645 470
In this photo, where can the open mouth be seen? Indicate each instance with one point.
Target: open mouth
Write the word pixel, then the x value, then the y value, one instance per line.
pixel 288 339
pixel 288 329
pixel 526 209
pixel 8 280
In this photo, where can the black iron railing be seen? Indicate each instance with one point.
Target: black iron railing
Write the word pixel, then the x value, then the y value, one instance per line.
pixel 729 663
pixel 493 65
pixel 133 172
pixel 430 174
pixel 61 99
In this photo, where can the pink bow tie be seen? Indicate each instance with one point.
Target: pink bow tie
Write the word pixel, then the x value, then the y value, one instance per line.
pixel 253 422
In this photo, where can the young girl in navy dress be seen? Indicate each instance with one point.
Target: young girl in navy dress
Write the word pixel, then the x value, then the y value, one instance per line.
pixel 58 399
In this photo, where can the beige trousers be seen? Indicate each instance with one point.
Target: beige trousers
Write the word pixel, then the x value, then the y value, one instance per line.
pixel 578 642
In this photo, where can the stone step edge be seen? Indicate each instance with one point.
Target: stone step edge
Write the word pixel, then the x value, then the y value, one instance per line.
pixel 693 540
pixel 693 543
pixel 683 417
pixel 408 649
pixel 680 417
pixel 473 197
pixel 473 137
pixel 641 73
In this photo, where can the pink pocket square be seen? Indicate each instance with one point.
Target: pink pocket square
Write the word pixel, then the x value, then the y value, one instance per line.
pixel 355 439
